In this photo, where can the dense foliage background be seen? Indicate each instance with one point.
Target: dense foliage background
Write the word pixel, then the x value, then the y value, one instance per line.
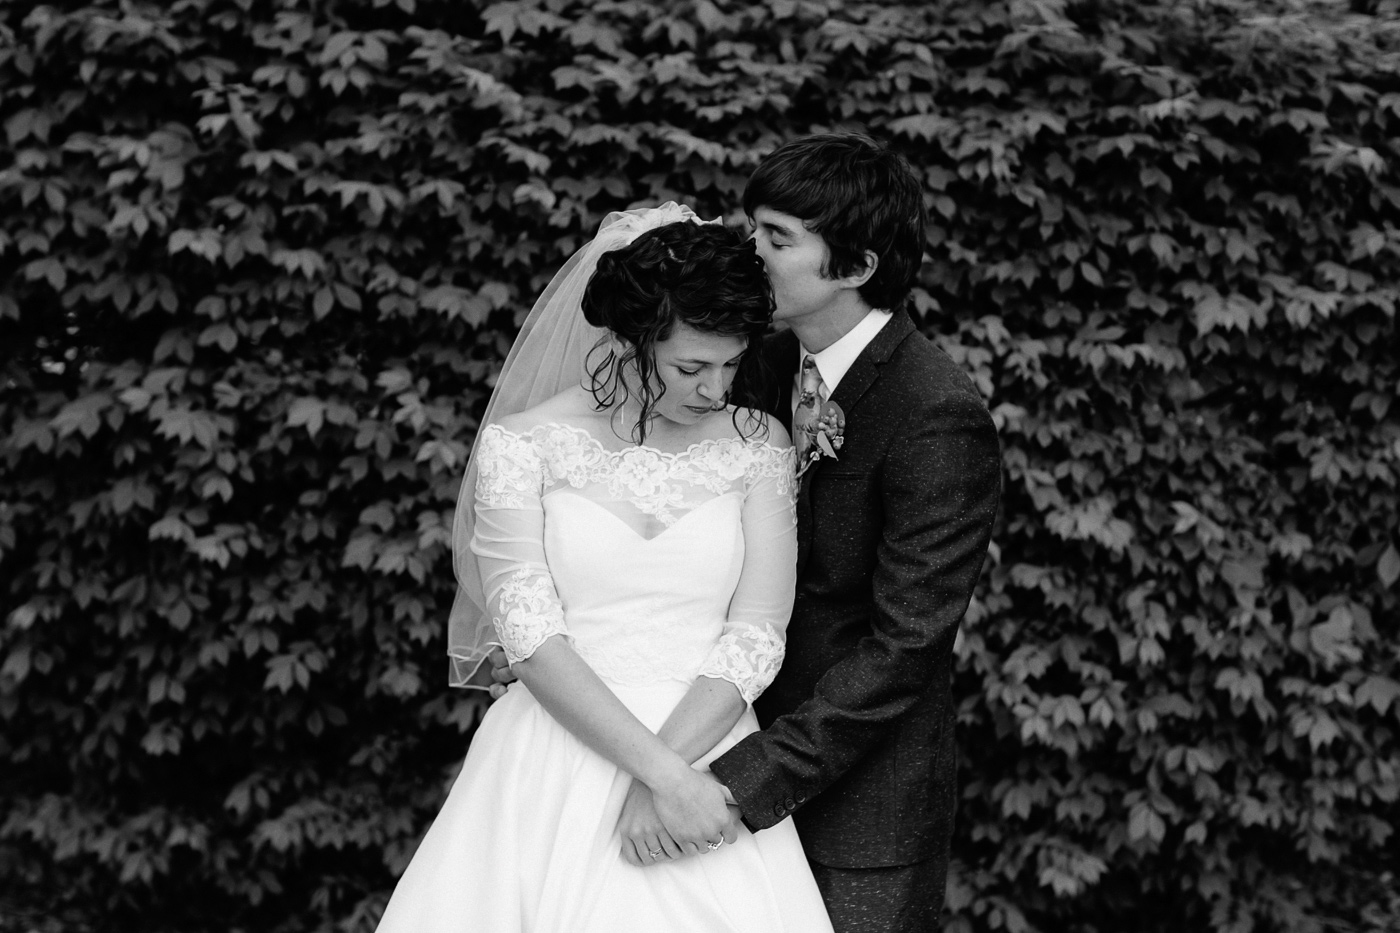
pixel 260 258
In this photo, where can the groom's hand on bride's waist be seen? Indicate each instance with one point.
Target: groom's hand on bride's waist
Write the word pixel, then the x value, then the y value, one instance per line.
pixel 501 674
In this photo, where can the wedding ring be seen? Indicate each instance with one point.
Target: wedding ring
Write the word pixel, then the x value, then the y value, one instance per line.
pixel 715 845
pixel 655 853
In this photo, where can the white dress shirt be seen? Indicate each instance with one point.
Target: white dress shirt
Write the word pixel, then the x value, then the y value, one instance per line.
pixel 836 360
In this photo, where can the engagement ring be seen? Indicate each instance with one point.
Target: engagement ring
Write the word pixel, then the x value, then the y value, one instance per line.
pixel 655 853
pixel 715 845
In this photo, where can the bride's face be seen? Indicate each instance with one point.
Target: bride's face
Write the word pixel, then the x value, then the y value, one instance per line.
pixel 697 369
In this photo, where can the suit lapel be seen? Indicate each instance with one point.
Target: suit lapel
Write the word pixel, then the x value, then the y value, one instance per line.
pixel 864 371
pixel 849 392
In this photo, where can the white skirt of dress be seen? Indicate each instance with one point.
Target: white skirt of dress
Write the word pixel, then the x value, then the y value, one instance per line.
pixel 527 841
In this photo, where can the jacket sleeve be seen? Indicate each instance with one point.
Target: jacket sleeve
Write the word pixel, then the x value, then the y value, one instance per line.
pixel 939 487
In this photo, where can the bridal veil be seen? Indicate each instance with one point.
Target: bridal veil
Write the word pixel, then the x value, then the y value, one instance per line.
pixel 548 356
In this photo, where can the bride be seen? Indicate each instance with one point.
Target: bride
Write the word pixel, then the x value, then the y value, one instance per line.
pixel 627 536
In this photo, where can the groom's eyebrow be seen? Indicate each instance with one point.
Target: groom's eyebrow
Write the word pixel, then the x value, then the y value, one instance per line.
pixel 778 228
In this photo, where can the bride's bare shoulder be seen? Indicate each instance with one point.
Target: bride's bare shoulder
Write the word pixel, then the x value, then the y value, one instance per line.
pixel 571 407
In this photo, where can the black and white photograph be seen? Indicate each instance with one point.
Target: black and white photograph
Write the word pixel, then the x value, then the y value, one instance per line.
pixel 699 466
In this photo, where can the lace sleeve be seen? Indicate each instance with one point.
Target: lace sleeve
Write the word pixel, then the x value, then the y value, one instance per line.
pixel 750 650
pixel 509 544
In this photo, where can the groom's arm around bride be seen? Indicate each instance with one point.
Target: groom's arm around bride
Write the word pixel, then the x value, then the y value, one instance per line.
pixel 892 533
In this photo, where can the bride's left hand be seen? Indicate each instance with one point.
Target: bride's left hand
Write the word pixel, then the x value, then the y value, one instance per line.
pixel 642 830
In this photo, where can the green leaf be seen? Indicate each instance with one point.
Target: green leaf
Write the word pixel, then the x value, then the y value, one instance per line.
pixel 1378 692
pixel 307 412
pixel 1144 824
pixel 1388 567
pixel 83 415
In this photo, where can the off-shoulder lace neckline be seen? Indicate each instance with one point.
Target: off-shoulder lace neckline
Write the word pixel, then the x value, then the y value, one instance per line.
pixel 690 451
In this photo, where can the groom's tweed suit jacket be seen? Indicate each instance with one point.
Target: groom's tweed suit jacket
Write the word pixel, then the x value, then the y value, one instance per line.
pixel 858 737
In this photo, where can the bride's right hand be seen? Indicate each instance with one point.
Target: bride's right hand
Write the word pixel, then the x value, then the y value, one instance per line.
pixel 691 806
pixel 644 839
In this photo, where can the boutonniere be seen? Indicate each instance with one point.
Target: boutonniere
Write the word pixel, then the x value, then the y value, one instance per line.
pixel 823 437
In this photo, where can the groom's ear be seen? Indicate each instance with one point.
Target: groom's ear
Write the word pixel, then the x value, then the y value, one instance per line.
pixel 862 275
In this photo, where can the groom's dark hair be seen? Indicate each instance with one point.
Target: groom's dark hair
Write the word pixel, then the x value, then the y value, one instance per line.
pixel 858 195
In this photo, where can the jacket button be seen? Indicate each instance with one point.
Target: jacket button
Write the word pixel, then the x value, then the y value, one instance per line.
pixel 801 797
pixel 778 809
pixel 790 804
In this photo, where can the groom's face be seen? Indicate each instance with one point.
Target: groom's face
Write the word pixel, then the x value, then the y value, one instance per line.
pixel 794 258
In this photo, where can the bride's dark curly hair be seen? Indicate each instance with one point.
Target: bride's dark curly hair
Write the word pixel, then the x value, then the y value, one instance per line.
pixel 703 275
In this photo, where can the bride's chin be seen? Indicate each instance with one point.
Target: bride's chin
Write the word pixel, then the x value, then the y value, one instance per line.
pixel 682 416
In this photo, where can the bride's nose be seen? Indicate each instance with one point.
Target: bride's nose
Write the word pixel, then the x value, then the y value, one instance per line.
pixel 712 387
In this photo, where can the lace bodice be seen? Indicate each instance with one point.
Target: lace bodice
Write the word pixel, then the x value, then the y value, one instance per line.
pixel 653 565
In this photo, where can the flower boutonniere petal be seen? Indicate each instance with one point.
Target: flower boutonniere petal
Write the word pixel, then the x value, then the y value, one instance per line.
pixel 825 436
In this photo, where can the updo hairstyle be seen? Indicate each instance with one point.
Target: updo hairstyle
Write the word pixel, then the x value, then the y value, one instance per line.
pixel 703 275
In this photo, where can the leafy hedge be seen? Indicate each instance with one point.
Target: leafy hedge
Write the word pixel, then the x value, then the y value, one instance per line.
pixel 259 260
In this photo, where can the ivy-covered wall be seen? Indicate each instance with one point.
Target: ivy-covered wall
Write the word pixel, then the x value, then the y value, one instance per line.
pixel 259 260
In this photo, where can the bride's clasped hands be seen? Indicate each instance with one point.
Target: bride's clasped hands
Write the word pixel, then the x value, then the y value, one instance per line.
pixel 674 822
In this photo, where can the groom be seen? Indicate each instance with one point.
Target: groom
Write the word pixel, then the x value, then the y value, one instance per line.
pixel 857 744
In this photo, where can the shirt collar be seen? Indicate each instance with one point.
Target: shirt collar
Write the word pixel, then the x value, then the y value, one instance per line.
pixel 834 362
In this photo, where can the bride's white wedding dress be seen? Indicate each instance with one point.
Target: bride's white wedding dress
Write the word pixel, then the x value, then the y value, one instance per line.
pixel 658 568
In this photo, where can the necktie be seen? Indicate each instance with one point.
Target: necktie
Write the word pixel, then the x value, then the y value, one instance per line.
pixel 809 406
